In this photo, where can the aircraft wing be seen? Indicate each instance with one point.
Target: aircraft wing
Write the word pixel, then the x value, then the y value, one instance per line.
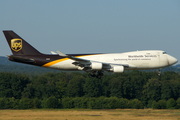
pixel 86 63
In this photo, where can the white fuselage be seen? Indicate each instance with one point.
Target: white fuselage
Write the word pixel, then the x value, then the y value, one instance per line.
pixel 139 60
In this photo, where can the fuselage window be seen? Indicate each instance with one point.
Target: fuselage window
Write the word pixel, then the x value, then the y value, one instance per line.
pixel 164 52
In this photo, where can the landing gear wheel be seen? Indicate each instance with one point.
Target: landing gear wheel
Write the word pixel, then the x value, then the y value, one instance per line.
pixel 98 75
pixel 91 75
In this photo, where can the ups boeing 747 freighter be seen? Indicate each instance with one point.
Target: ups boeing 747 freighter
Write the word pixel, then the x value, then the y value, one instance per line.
pixel 95 64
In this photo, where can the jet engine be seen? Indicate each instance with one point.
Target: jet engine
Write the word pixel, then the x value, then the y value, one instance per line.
pixel 118 69
pixel 96 66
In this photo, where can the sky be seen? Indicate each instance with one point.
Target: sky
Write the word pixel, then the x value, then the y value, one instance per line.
pixel 93 26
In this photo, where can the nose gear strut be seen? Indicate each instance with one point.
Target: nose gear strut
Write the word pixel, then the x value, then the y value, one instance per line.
pixel 159 72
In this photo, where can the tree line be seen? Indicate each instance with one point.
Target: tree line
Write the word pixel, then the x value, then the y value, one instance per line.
pixel 133 89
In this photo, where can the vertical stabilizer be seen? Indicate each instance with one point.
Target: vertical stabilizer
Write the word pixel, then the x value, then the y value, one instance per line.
pixel 18 45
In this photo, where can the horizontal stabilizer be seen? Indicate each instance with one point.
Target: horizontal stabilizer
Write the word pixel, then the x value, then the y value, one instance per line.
pixel 20 59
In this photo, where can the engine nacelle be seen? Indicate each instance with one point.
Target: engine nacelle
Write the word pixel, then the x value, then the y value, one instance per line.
pixel 96 66
pixel 118 69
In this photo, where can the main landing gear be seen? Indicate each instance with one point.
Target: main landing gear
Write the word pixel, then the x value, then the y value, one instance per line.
pixel 97 74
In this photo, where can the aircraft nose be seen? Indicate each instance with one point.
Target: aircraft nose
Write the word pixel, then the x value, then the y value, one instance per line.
pixel 172 60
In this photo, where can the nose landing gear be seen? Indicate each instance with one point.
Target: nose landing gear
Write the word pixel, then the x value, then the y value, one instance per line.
pixel 159 72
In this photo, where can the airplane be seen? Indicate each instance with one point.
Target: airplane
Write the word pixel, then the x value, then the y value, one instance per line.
pixel 94 64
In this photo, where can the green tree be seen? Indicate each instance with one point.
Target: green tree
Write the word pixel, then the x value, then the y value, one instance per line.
pixel 138 81
pixel 46 86
pixel 162 104
pixel 152 90
pixel 77 102
pixel 135 104
pixel 170 75
pixel 75 87
pixel 123 103
pixel 36 103
pixel 155 105
pixel 61 87
pixel 51 102
pixel 178 103
pixel 166 90
pixel 170 89
pixel 115 85
pixel 113 103
pixel 171 103
pixel 67 102
pixel 128 89
pixel 25 103
pixel 105 85
pixel 92 87
pixel 133 84
pixel 28 91
pixel 12 85
pixel 94 103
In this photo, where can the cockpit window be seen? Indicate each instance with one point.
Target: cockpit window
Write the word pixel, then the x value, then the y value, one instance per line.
pixel 164 52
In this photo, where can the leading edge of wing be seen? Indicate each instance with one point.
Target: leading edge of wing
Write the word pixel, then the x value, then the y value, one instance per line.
pixel 72 57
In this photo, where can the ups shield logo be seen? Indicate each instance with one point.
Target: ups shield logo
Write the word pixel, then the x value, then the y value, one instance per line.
pixel 16 44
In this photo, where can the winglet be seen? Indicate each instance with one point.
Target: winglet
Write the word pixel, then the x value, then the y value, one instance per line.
pixel 54 53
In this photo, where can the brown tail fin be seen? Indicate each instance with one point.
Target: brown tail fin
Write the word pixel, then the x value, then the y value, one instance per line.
pixel 18 45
